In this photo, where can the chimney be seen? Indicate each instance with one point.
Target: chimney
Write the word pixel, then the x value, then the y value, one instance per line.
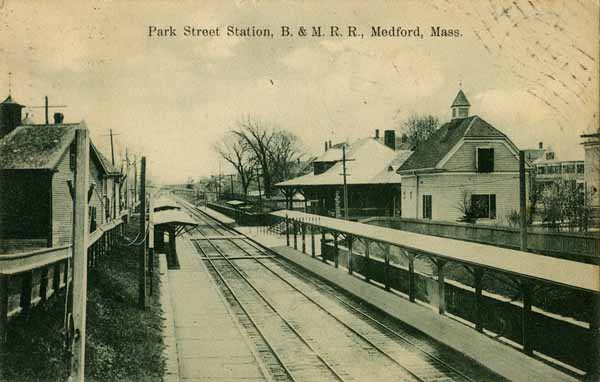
pixel 376 133
pixel 389 139
pixel 330 144
pixel 326 146
pixel 59 118
pixel 10 116
pixel 541 145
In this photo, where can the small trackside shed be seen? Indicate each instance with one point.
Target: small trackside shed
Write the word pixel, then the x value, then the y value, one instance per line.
pixel 36 170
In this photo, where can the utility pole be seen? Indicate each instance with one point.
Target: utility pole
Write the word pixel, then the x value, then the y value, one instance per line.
pixel 345 183
pixel 259 191
pixel 522 201
pixel 112 148
pixel 142 249
pixel 134 180
pixel 231 181
pixel 46 107
pixel 79 255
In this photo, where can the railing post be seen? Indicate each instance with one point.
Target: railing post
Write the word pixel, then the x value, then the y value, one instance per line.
pixel 66 272
pixel 44 283
pixel 386 273
pixel 26 281
pixel 3 307
pixel 287 231
pixel 56 278
pixel 323 244
pixel 349 239
pixel 441 286
pixel 527 318
pixel 478 278
pixel 312 241
pixel 336 253
pixel 303 227
pixel 411 277
pixel 367 269
pixel 295 225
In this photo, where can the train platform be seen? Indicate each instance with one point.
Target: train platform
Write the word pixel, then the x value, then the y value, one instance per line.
pixel 500 358
pixel 201 316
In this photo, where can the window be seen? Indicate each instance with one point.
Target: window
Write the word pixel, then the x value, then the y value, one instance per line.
pixel 92 218
pixel 569 169
pixel 541 170
pixel 484 206
pixel 580 168
pixel 550 156
pixel 485 159
pixel 426 206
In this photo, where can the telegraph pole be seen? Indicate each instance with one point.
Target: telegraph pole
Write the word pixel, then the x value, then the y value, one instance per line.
pixel 345 183
pixel 112 148
pixel 142 249
pixel 79 255
pixel 231 181
pixel 259 192
pixel 522 201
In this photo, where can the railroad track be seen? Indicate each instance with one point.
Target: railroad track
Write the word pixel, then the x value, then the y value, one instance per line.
pixel 268 299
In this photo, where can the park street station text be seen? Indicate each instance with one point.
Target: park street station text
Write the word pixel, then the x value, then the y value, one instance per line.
pixel 155 31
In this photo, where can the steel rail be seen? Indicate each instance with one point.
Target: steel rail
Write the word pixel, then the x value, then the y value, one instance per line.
pixel 357 333
pixel 252 320
pixel 288 324
pixel 353 308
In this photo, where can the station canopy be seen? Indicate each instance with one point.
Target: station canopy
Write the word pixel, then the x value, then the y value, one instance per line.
pixel 176 219
pixel 163 203
pixel 235 203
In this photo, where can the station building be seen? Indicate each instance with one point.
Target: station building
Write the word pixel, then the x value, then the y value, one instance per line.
pixel 37 163
pixel 372 181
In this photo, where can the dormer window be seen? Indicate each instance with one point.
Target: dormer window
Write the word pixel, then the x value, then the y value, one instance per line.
pixel 550 156
pixel 485 159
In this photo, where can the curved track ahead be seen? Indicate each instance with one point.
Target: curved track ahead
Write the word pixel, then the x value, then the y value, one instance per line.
pixel 306 330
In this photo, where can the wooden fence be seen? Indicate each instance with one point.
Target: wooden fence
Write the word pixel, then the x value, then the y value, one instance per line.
pixel 570 246
pixel 30 278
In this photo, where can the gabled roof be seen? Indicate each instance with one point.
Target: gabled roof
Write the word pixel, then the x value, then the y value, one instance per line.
pixel 460 100
pixel 106 164
pixel 370 162
pixel 434 149
pixel 40 147
pixel 36 147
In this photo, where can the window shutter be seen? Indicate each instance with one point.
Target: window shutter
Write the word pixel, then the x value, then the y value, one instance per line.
pixel 493 206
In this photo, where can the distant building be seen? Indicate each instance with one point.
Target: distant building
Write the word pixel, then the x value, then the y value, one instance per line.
pixel 466 164
pixel 549 168
pixel 373 184
pixel 36 165
pixel 591 145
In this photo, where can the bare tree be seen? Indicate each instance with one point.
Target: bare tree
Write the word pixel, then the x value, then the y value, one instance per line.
pixel 234 150
pixel 285 155
pixel 419 127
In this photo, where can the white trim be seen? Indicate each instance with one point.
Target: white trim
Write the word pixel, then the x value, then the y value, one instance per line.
pixel 471 173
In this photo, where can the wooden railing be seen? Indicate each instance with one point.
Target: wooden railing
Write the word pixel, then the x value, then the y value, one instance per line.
pixel 571 246
pixel 29 278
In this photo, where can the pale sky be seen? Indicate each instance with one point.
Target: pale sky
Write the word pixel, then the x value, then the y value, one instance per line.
pixel 528 67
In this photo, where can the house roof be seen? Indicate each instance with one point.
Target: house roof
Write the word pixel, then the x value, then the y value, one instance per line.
pixel 9 100
pixel 35 147
pixel 370 162
pixel 460 100
pixel 434 149
pixel 40 147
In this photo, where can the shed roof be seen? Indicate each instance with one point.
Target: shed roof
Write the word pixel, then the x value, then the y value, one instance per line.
pixel 434 149
pixel 369 163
